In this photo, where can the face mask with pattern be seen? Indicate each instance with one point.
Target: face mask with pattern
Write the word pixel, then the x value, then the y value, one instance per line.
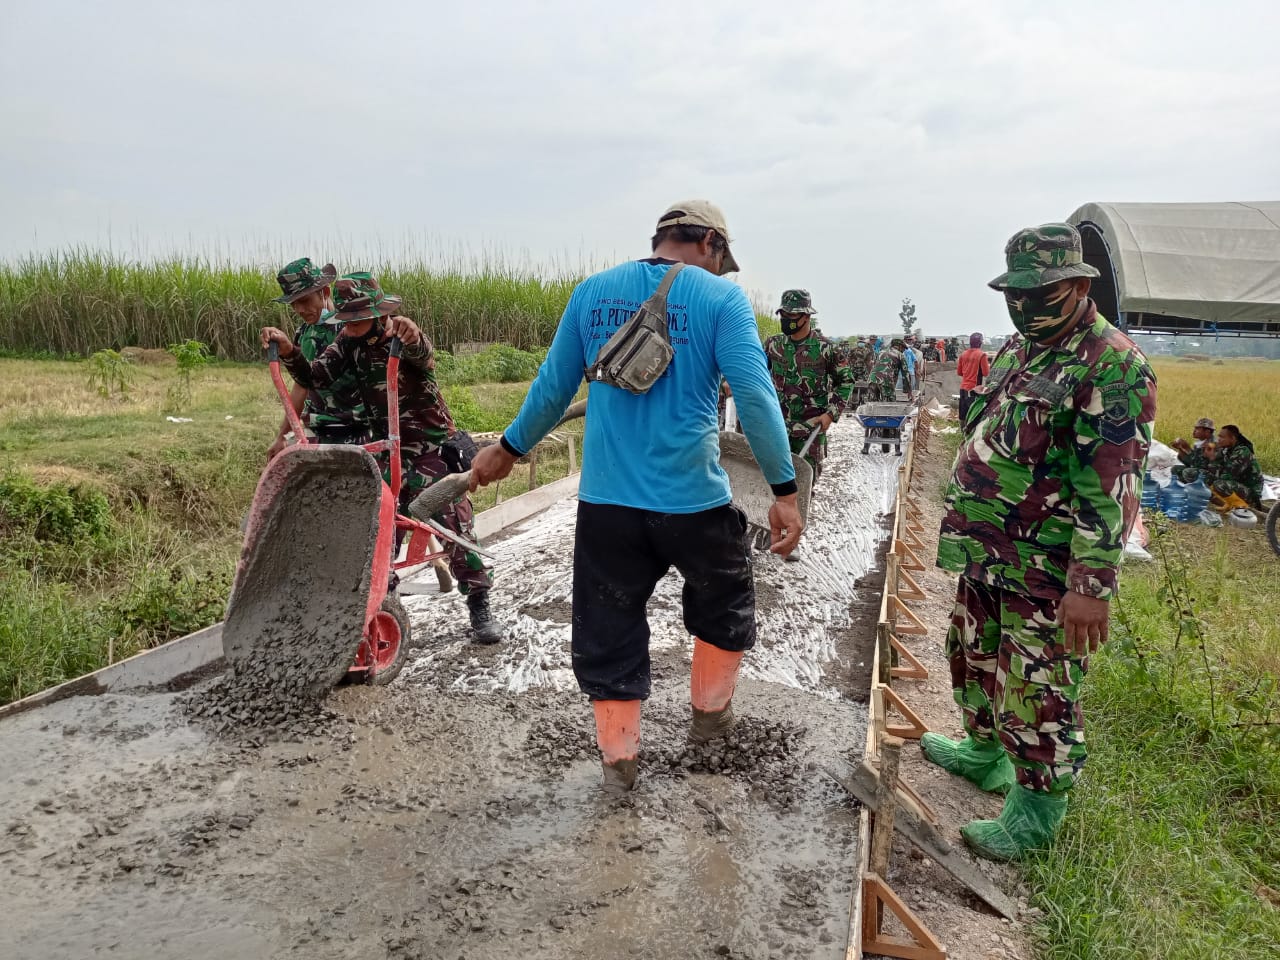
pixel 792 325
pixel 1042 314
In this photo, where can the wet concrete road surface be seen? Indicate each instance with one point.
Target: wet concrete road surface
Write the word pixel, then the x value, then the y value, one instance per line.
pixel 456 813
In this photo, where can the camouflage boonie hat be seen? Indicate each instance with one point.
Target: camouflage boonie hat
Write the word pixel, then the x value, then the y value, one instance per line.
pixel 1039 256
pixel 1205 422
pixel 796 301
pixel 301 276
pixel 357 296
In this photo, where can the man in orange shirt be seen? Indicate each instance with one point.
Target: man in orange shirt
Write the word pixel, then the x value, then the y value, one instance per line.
pixel 973 367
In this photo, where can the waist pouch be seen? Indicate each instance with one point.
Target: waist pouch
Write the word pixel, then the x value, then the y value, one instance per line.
pixel 458 451
pixel 640 352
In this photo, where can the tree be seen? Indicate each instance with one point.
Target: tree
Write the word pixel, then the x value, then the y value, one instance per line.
pixel 907 315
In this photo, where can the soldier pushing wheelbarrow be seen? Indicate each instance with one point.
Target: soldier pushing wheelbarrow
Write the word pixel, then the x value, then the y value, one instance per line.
pixel 431 446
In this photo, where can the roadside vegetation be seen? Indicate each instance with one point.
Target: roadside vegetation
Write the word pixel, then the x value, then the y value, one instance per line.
pixel 1171 850
pixel 119 516
pixel 77 302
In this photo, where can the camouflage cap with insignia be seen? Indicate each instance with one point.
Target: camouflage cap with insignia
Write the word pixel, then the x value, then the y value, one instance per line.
pixel 301 276
pixel 796 301
pixel 1039 256
pixel 1205 423
pixel 357 296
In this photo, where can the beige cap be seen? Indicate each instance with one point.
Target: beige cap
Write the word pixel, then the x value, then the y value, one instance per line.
pixel 701 213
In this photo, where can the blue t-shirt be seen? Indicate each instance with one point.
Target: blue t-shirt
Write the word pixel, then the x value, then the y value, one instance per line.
pixel 909 356
pixel 660 451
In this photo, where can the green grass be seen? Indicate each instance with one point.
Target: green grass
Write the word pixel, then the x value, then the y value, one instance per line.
pixel 119 529
pixel 81 301
pixel 1171 849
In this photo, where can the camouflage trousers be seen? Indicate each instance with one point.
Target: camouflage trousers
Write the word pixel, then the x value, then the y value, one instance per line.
pixel 817 452
pixel 423 466
pixel 881 391
pixel 1013 680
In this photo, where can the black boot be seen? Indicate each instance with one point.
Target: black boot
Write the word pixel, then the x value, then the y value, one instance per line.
pixel 482 625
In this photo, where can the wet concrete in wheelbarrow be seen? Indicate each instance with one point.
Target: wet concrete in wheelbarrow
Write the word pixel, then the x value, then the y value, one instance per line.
pixel 453 814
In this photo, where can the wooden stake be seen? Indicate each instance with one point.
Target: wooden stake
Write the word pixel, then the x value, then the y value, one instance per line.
pixel 884 654
pixel 886 792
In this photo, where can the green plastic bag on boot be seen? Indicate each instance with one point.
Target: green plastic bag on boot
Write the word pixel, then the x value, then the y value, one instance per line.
pixel 1029 820
pixel 982 762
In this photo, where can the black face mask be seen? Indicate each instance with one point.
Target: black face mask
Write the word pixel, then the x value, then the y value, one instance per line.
pixel 792 325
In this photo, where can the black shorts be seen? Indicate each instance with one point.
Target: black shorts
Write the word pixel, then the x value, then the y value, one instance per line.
pixel 620 554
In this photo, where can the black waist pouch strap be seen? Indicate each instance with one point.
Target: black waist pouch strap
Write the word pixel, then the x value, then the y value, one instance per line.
pixel 640 352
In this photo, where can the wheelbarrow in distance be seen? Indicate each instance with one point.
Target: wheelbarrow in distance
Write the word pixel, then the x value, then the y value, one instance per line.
pixel 313 584
pixel 882 423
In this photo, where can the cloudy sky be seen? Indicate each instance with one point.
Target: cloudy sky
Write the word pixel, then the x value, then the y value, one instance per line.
pixel 869 151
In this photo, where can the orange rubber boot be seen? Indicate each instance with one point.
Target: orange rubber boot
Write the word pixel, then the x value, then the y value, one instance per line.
pixel 618 735
pixel 715 674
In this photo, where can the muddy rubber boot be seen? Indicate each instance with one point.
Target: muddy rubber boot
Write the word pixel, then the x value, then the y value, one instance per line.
pixel 1029 821
pixel 982 762
pixel 483 628
pixel 711 685
pixel 618 736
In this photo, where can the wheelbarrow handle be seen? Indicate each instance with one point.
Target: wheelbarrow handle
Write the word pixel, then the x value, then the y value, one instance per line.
pixel 574 411
pixel 273 352
pixel 809 443
pixel 439 495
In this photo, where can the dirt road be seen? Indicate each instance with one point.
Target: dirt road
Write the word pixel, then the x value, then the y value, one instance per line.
pixel 455 813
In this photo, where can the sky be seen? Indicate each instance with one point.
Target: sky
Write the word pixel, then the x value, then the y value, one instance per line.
pixel 866 151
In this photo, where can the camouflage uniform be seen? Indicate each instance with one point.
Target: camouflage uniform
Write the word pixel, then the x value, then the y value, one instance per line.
pixel 811 378
pixel 425 424
pixel 1196 465
pixel 861 360
pixel 889 368
pixel 1238 473
pixel 336 414
pixel 1044 491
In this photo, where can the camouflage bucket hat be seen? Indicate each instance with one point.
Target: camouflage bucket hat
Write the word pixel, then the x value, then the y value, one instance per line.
pixel 1039 256
pixel 301 276
pixel 796 301
pixel 357 296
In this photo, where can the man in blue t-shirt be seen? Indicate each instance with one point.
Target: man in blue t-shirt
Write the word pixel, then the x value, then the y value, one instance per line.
pixel 653 494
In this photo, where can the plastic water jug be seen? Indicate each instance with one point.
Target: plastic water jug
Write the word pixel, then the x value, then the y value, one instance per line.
pixel 1198 497
pixel 1172 498
pixel 1150 492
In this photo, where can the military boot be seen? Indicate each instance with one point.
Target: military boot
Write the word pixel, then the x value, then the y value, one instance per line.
pixel 483 628
pixel 982 762
pixel 1029 820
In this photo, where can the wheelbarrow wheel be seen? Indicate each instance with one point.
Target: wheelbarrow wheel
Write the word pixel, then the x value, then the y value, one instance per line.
pixel 389 635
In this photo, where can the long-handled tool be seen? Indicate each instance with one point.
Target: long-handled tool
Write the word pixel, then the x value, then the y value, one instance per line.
pixel 448 489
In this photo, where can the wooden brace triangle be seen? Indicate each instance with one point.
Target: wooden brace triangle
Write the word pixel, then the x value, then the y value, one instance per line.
pixel 878 896
pixel 912 590
pixel 914 669
pixel 913 729
pixel 913 626
pixel 907 557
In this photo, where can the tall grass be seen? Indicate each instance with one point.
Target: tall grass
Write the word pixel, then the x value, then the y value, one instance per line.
pixel 81 301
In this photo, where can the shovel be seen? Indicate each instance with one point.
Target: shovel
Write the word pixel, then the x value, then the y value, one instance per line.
pixel 443 492
pixel 751 492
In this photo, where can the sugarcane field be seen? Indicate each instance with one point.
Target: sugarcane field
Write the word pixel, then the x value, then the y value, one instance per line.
pixel 426 536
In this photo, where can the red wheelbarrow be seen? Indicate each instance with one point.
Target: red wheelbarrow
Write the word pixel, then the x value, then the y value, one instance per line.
pixel 319 550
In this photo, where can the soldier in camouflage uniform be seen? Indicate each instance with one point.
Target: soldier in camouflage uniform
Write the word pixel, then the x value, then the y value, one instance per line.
pixel 812 380
pixel 1238 473
pixel 1042 497
pixel 431 446
pixel 331 415
pixel 889 368
pixel 861 360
